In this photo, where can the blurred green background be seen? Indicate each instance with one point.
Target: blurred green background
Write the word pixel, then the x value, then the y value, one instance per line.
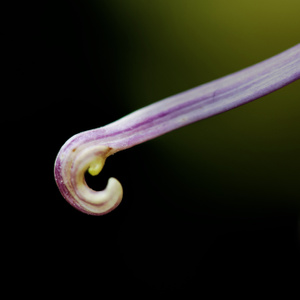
pixel 245 159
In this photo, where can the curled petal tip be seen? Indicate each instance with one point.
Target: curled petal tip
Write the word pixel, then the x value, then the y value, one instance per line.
pixel 70 167
pixel 101 202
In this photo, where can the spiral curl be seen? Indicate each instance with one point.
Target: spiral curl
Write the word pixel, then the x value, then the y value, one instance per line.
pixel 71 165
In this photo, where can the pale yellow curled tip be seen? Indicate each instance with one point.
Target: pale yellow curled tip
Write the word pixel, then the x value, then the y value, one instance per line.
pixel 92 158
pixel 101 202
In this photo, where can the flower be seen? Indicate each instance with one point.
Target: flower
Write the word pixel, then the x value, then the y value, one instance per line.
pixel 87 151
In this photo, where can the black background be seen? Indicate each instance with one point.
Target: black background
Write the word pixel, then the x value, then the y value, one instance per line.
pixel 61 80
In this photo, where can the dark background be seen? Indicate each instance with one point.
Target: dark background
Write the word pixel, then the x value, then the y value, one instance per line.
pixel 214 205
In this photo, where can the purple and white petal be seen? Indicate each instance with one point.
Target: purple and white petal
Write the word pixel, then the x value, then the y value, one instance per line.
pixel 88 150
